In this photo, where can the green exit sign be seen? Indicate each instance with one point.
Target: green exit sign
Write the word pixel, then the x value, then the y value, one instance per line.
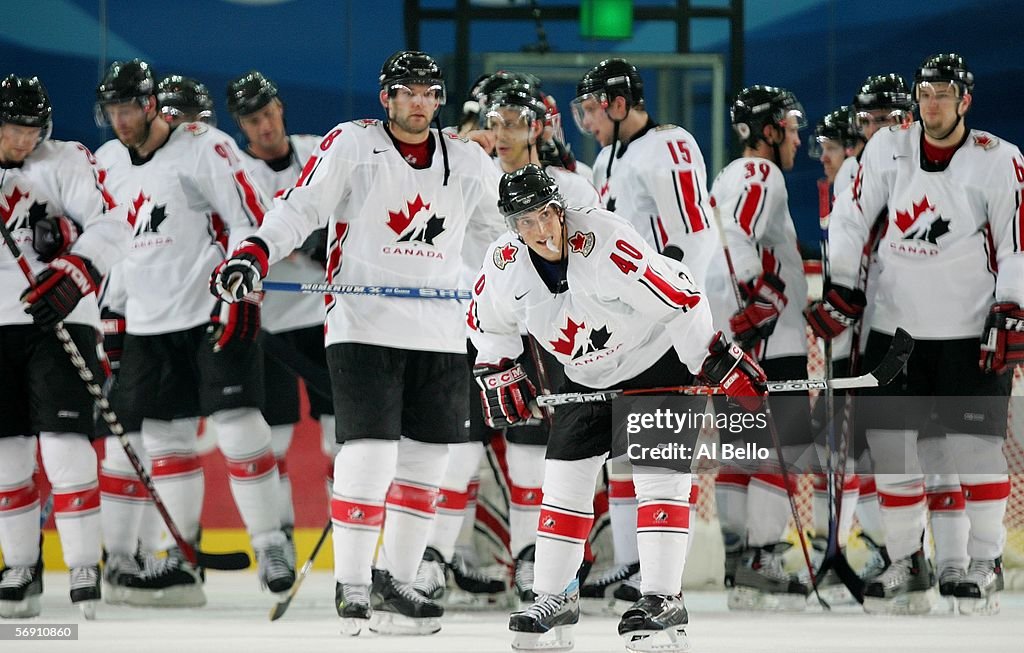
pixel 606 19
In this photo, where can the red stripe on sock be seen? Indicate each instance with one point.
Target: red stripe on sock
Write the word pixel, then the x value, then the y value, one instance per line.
pixel 412 497
pixel 662 514
pixel 886 500
pixel 526 496
pixel 987 491
pixel 621 489
pixel 19 497
pixel 733 478
pixel 694 494
pixel 176 465
pixel 867 486
pixel 282 467
pixel 775 480
pixel 473 489
pixel 564 525
pixel 248 469
pixel 452 500
pixel 122 487
pixel 357 513
pixel 73 502
pixel 951 501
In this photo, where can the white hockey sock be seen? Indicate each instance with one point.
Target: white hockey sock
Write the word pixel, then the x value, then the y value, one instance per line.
pixel 565 521
pixel 768 510
pixel 177 471
pixel 363 471
pixel 526 479
pixel 19 502
pixel 70 463
pixel 123 496
pixel 453 496
pixel 153 533
pixel 903 508
pixel 411 506
pixel 949 523
pixel 464 541
pixel 622 511
pixel 244 439
pixel 663 528
pixel 280 440
pixel 986 496
pixel 868 513
pixel 731 501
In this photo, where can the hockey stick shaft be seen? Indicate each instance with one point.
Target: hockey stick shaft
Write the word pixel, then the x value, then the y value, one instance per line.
pixel 278 610
pixel 110 417
pixel 369 291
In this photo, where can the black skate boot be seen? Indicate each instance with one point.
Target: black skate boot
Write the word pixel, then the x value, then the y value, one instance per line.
pixel 597 596
pixel 274 567
pixel 473 588
pixel 353 605
pixel 20 591
pixel 905 587
pixel 431 577
pixel 524 575
pixel 117 569
pixel 168 581
pixel 734 547
pixel 978 593
pixel 85 589
pixel 656 622
pixel 628 592
pixel 949 576
pixel 547 623
pixel 398 609
pixel 762 583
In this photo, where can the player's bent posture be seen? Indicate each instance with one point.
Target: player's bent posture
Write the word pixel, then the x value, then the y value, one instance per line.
pixel 951 272
pixel 615 313
pixel 69 229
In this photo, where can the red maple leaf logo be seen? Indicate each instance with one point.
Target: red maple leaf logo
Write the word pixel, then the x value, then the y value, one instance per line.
pixel 904 220
pixel 10 201
pixel 565 345
pixel 400 220
pixel 133 213
pixel 508 253
pixel 576 242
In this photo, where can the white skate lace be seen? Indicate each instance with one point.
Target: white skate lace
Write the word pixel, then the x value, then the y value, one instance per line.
pixel 469 572
pixel 429 577
pixel 84 577
pixel 895 574
pixel 120 564
pixel 272 562
pixel 980 572
pixel 951 575
pixel 15 577
pixel 633 581
pixel 355 594
pixel 545 606
pixel 612 575
pixel 410 593
pixel 771 567
pixel 524 574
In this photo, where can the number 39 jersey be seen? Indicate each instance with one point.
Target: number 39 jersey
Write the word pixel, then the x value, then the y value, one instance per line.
pixel 625 305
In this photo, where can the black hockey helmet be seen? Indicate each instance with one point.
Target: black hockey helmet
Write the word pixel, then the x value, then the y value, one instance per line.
pixel 524 190
pixel 833 126
pixel 185 96
pixel 949 67
pixel 883 92
pixel 249 93
pixel 411 67
pixel 613 78
pixel 526 98
pixel 124 81
pixel 24 101
pixel 477 103
pixel 757 106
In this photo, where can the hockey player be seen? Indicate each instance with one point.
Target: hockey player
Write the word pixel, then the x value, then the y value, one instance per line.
pixel 834 141
pixel 274 161
pixel 184 99
pixel 950 270
pixel 70 230
pixel 184 356
pixel 408 195
pixel 616 314
pixel 751 198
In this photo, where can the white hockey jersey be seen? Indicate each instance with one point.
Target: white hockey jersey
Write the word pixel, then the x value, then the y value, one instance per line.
pixel 659 183
pixel 389 224
pixel 753 203
pixel 284 311
pixel 625 306
pixel 58 178
pixel 172 200
pixel 845 175
pixel 952 244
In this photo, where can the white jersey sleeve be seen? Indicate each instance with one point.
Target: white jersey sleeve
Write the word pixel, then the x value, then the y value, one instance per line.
pixel 576 189
pixel 845 175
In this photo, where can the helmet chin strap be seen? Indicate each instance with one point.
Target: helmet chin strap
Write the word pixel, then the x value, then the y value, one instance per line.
pixel 959 119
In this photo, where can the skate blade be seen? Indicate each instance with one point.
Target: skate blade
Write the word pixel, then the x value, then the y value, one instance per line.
pixel 457 599
pixel 985 607
pixel 88 608
pixel 834 595
pixel 114 594
pixel 945 605
pixel 391 623
pixel 911 603
pixel 558 638
pixel 670 640
pixel 351 626
pixel 178 596
pixel 749 599
pixel 28 607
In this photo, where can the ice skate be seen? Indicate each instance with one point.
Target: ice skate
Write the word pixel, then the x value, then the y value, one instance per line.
pixel 978 593
pixel 877 561
pixel 473 588
pixel 523 578
pixel 733 555
pixel 117 569
pixel 830 587
pixel 353 605
pixel 597 596
pixel 546 625
pixel 168 581
pixel 274 567
pixel 431 577
pixel 655 622
pixel 905 587
pixel 762 583
pixel 398 609
pixel 949 577
pixel 85 589
pixel 20 591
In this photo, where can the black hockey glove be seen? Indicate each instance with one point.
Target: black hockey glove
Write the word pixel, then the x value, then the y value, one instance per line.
pixel 240 274
pixel 236 322
pixel 506 394
pixel 766 297
pixel 54 235
pixel 59 288
pixel 113 337
pixel 838 309
pixel 736 372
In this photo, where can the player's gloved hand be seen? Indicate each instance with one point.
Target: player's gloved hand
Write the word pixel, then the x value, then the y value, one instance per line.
pixel 506 393
pixel 54 235
pixel 766 297
pixel 240 274
pixel 736 372
pixel 113 336
pixel 59 288
pixel 235 322
pixel 838 309
pixel 1002 341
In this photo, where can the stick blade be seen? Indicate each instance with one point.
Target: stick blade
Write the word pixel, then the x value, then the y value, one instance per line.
pixel 234 561
pixel 279 609
pixel 900 349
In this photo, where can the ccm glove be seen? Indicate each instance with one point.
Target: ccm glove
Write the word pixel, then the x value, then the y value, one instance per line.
pixel 1002 341
pixel 837 310
pixel 506 393
pixel 54 235
pixel 766 298
pixel 241 273
pixel 59 288
pixel 738 374
pixel 113 336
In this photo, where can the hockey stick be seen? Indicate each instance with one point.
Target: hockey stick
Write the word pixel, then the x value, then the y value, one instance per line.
pixel 278 610
pixel 372 291
pixel 227 561
pixel 899 351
